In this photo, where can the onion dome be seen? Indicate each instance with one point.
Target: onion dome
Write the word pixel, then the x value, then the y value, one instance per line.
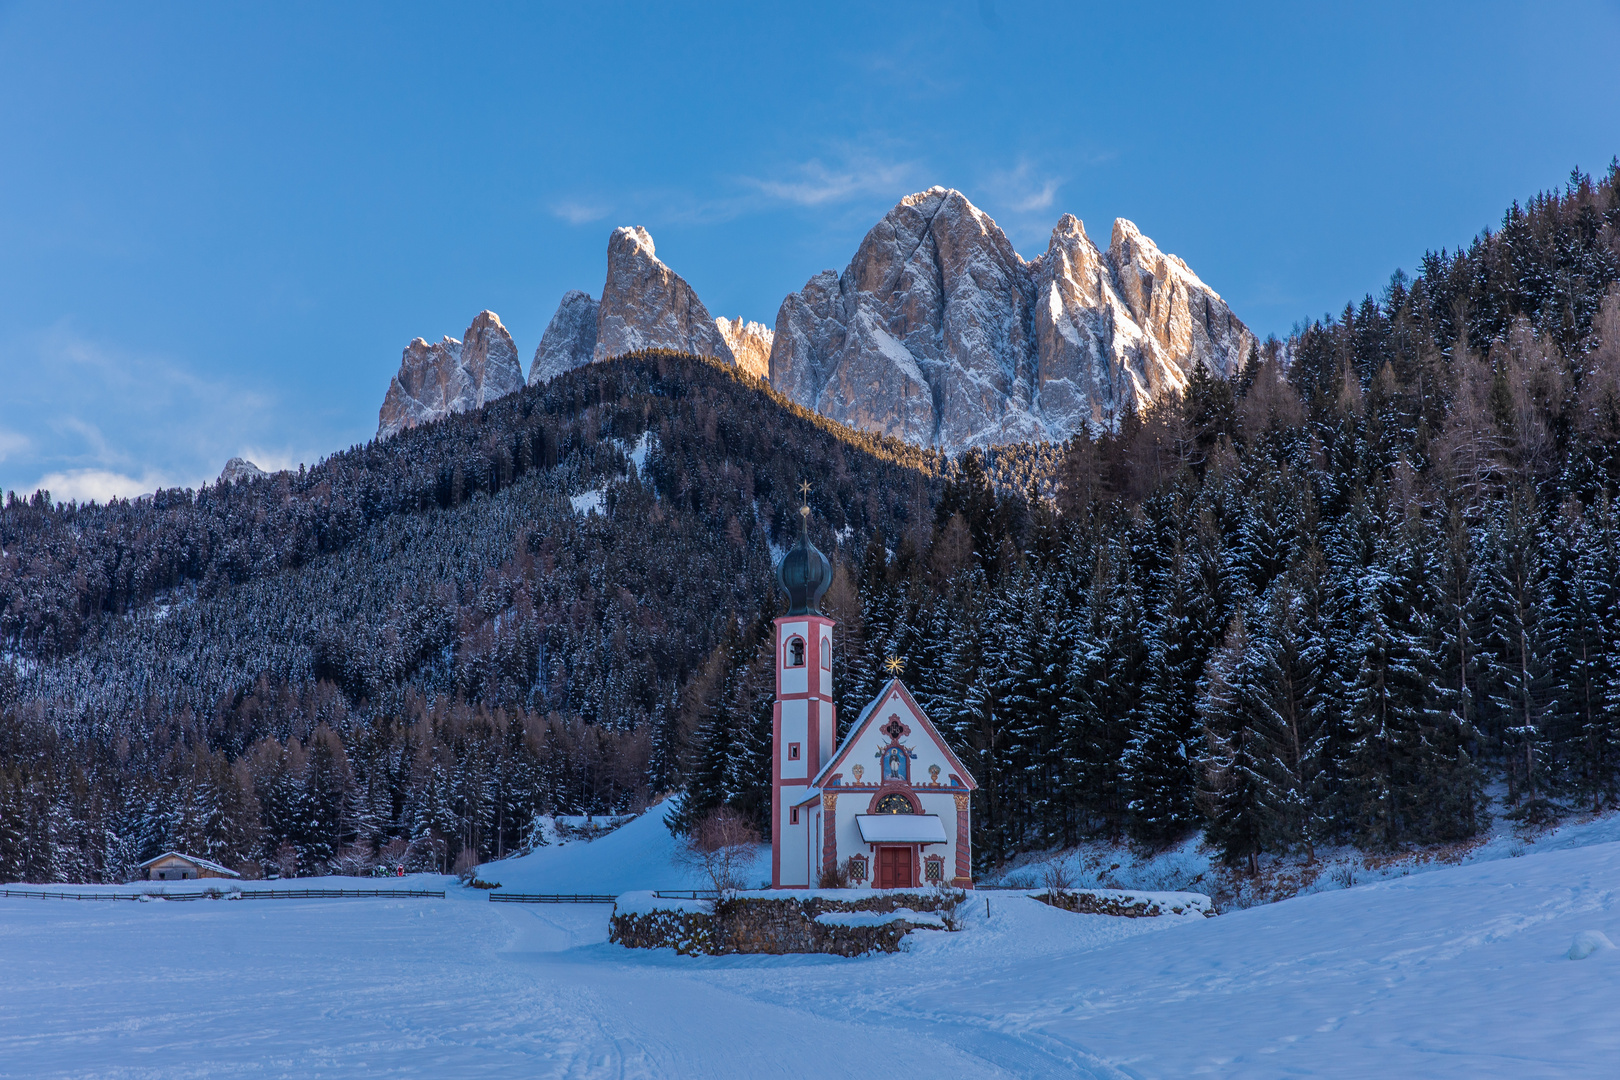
pixel 804 572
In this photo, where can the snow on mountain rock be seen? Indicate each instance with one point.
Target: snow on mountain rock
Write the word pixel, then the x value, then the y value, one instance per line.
pixel 750 344
pixel 646 305
pixel 938 332
pixel 569 340
pixel 240 469
pixel 451 376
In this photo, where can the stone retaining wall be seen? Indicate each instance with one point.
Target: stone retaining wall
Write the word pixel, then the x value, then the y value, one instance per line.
pixel 787 924
pixel 1132 906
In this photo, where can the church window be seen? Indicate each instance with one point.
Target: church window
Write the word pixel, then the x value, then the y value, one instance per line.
pixel 793 816
pixel 934 870
pixel 793 751
pixel 857 869
pixel 896 764
pixel 826 653
pixel 796 652
pixel 894 803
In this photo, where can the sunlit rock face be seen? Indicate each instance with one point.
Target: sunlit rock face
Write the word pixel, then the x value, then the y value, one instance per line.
pixel 939 333
pixel 451 376
pixel 569 340
pixel 1183 321
pixel 646 305
pixel 750 344
pixel 925 336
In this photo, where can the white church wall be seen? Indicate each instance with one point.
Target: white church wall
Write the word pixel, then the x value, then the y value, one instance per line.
pixel 824 654
pixel 795 732
pixel 795 844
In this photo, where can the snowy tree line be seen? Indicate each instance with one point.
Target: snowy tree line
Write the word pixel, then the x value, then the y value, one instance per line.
pixel 1328 599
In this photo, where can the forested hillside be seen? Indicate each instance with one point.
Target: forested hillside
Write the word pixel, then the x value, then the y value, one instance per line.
pixel 1327 600
pixel 422 639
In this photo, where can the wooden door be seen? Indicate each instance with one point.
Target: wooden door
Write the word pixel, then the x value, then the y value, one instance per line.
pixel 894 868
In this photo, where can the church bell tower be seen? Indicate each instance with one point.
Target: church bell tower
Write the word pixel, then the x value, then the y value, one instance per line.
pixel 803 722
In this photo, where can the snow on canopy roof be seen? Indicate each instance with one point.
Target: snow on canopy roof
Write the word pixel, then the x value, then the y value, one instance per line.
pixel 901 828
pixel 201 864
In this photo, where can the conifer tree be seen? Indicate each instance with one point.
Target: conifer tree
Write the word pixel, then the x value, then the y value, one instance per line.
pixel 1158 762
pixel 1247 790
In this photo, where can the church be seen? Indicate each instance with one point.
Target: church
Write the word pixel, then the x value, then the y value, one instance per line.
pixel 890 804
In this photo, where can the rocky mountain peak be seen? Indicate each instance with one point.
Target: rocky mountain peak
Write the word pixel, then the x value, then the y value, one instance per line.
pixel 646 305
pixel 240 469
pixel 490 359
pixel 451 376
pixel 940 333
pixel 569 340
pixel 632 240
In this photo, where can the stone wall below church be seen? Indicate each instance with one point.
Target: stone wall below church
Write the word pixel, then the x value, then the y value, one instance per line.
pixel 816 922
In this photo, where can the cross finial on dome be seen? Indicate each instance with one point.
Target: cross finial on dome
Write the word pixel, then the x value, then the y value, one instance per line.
pixel 804 572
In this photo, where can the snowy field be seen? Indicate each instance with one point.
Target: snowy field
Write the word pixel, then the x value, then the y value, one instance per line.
pixel 1459 972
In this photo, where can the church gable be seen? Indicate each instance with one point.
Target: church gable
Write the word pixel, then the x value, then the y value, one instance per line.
pixel 894 743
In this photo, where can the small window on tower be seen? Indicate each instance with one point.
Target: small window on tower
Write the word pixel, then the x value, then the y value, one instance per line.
pixel 793 816
pixel 793 751
pixel 796 652
pixel 826 653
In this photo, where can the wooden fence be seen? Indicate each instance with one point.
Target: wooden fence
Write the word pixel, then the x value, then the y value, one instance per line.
pixel 551 898
pixel 224 894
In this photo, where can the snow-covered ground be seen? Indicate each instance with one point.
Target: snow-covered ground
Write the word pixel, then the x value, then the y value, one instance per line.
pixel 1462 971
pixel 641 854
pixel 1192 866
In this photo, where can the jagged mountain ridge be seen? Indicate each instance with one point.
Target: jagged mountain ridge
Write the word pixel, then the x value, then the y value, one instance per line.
pixel 451 376
pixel 938 332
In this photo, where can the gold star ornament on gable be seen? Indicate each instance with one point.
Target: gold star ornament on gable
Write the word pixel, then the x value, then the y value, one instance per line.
pixel 895 665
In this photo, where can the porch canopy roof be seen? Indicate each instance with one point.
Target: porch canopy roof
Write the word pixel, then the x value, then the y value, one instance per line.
pixel 901 828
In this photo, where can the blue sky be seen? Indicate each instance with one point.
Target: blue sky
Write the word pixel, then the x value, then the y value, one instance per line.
pixel 220 224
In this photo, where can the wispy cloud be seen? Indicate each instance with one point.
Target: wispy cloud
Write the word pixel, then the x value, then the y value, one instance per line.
pixel 1023 188
pixel 579 213
pixel 99 485
pixel 12 443
pixel 93 420
pixel 840 176
pixel 815 183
